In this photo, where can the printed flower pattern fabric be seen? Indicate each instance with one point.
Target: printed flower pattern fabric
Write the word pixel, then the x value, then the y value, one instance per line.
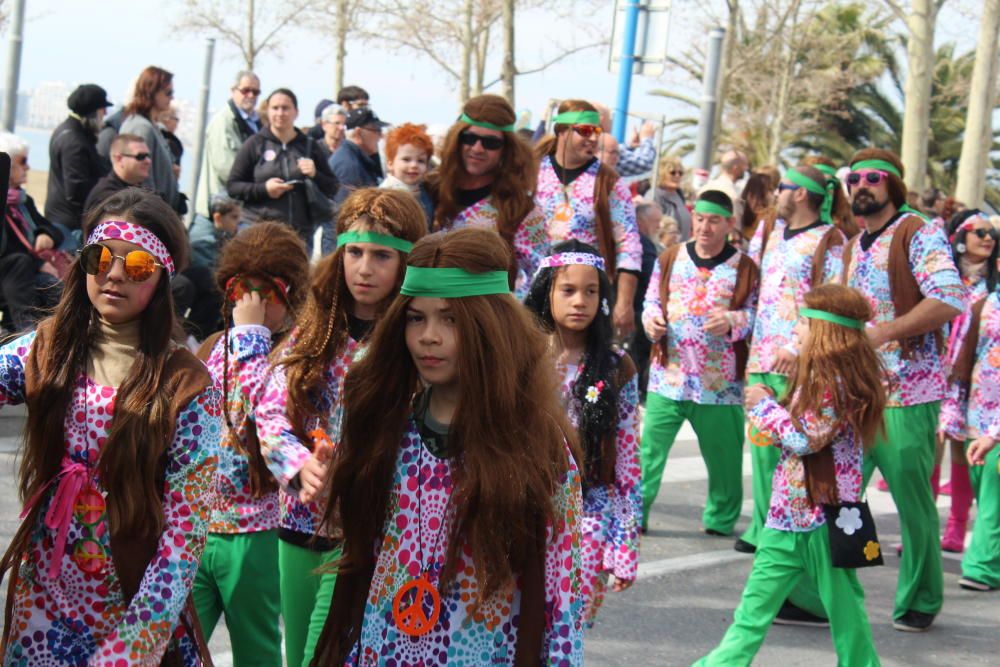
pixel 791 510
pixel 531 241
pixel 583 224
pixel 284 452
pixel 984 392
pixel 80 616
pixel 611 513
pixel 955 405
pixel 920 379
pixel 785 277
pixel 236 510
pixel 421 512
pixel 699 367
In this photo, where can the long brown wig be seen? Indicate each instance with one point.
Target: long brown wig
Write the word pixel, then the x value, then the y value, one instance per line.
pixel 141 427
pixel 897 187
pixel 843 218
pixel 322 324
pixel 604 186
pixel 516 177
pixel 508 434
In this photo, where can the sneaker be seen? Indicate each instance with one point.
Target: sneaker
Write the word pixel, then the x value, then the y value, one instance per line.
pixel 973 585
pixel 789 614
pixel 715 533
pixel 744 547
pixel 913 621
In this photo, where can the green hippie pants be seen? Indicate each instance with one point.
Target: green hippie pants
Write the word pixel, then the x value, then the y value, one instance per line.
pixel 765 460
pixel 982 559
pixel 720 439
pixel 238 576
pixel 782 559
pixel 305 598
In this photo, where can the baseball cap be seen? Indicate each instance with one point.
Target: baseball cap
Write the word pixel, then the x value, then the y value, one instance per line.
pixel 364 117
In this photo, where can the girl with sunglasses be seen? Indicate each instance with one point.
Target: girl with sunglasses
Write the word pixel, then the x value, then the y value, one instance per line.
pixel 117 474
pixel 570 296
pixel 585 200
pixel 458 496
pixel 300 411
pixel 263 273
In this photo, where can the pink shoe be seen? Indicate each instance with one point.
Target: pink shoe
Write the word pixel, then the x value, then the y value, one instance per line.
pixel 953 539
pixel 882 485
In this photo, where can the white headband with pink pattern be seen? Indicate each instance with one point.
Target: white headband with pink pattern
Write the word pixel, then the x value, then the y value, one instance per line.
pixel 133 233
pixel 571 258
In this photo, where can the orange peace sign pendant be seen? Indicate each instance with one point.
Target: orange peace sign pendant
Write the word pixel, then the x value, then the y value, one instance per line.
pixel 413 620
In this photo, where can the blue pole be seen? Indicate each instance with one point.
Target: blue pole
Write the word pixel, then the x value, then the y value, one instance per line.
pixel 626 65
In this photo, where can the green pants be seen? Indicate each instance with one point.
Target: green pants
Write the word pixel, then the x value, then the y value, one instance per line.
pixel 238 576
pixel 782 559
pixel 765 460
pixel 305 598
pixel 982 558
pixel 720 438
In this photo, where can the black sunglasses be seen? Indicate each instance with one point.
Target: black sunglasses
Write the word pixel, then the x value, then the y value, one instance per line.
pixel 489 143
pixel 141 157
pixel 983 233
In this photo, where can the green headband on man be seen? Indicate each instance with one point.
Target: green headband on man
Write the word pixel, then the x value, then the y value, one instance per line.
pixel 849 322
pixel 465 118
pixel 826 169
pixel 707 207
pixel 401 245
pixel 451 283
pixel 880 165
pixel 577 118
pixel 825 191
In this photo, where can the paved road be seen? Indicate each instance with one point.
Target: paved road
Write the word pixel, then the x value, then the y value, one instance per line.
pixel 689 584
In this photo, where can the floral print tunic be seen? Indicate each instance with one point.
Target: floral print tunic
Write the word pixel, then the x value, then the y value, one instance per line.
pixel 785 277
pixel 974 411
pixel 284 452
pixel 951 423
pixel 415 540
pixel 791 510
pixel 583 224
pixel 699 367
pixel 611 513
pixel 79 616
pixel 920 379
pixel 236 510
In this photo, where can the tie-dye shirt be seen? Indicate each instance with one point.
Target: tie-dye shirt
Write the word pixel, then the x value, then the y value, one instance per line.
pixel 785 277
pixel 236 510
pixel 284 452
pixel 981 399
pixel 791 510
pixel 921 378
pixel 955 405
pixel 422 515
pixel 611 512
pixel 80 617
pixel 699 367
pixel 582 225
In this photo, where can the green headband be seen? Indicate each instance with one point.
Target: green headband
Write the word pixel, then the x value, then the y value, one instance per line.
pixel 826 169
pixel 452 283
pixel 881 165
pixel 482 123
pixel 825 191
pixel 711 208
pixel 849 322
pixel 401 245
pixel 577 118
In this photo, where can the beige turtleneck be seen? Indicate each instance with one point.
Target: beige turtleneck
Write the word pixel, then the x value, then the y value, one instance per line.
pixel 112 351
pixel 973 272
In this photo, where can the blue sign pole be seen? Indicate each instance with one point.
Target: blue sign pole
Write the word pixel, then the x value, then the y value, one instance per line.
pixel 625 67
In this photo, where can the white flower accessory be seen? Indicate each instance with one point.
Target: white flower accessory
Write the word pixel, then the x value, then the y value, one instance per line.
pixel 594 392
pixel 849 520
pixel 604 306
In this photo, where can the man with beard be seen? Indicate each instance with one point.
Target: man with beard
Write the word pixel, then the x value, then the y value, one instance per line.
pixel 903 266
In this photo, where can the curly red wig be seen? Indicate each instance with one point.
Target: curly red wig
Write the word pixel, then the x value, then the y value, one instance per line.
pixel 408 133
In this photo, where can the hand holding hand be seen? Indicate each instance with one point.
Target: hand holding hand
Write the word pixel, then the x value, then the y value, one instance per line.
pixel 755 394
pixel 656 328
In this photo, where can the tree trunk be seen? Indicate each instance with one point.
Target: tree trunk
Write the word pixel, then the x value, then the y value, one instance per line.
pixel 467 46
pixel 917 91
pixel 482 50
pixel 250 52
pixel 972 164
pixel 784 85
pixel 341 46
pixel 727 66
pixel 508 71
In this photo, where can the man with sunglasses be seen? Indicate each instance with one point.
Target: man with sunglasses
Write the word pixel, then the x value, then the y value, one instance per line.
pixel 229 128
pixel 903 266
pixel 130 165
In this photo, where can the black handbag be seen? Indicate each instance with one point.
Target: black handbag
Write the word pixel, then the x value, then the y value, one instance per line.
pixel 853 540
pixel 320 207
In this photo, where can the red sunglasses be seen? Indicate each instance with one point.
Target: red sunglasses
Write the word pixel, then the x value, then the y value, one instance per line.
pixel 274 290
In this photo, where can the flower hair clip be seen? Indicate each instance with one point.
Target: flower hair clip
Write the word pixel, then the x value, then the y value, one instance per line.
pixel 594 391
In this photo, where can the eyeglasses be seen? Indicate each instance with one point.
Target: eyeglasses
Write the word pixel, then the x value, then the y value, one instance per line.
pixel 97 260
pixel 250 92
pixel 273 290
pixel 141 157
pixel 787 186
pixel 588 131
pixel 871 176
pixel 676 172
pixel 489 143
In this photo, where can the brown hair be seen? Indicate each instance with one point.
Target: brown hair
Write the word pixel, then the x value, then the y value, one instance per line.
pixel 507 475
pixel 516 178
pixel 603 187
pixel 408 133
pixel 151 81
pixel 322 325
pixel 141 428
pixel 842 215
pixel 758 187
pixel 897 188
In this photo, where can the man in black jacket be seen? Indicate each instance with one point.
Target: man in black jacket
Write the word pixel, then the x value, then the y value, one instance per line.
pixel 74 165
pixel 130 165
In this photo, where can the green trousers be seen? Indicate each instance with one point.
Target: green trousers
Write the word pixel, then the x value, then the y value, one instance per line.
pixel 782 559
pixel 305 598
pixel 238 577
pixel 720 438
pixel 765 460
pixel 982 559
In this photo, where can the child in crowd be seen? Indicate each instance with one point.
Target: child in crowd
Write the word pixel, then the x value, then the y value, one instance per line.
pixel 301 408
pixel 118 470
pixel 208 236
pixel 570 296
pixel 264 274
pixel 466 549
pixel 408 151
